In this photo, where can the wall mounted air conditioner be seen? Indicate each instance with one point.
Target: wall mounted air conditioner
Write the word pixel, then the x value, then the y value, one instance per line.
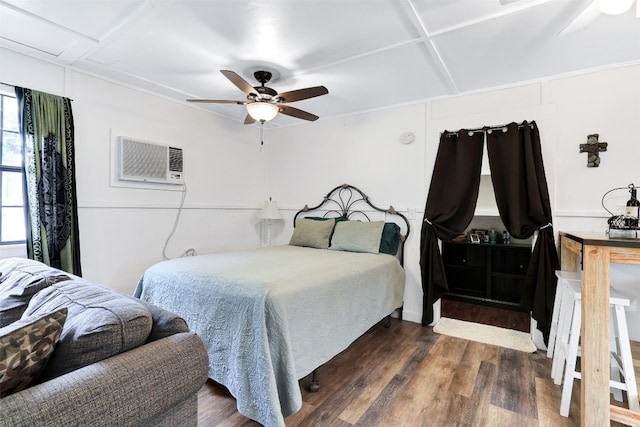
pixel 146 162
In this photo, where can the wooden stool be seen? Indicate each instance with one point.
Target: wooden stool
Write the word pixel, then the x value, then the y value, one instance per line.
pixel 566 346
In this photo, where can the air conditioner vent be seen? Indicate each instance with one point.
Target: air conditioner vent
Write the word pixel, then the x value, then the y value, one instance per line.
pixel 175 159
pixel 148 162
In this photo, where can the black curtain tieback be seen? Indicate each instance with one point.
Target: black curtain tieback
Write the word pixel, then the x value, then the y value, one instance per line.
pixel 545 226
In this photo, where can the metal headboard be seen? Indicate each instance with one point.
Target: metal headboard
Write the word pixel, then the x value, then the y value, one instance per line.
pixel 341 201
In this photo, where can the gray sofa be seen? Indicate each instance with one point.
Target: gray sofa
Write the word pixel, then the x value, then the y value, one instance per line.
pixel 118 361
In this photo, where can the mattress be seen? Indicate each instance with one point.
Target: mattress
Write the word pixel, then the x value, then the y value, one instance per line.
pixel 270 316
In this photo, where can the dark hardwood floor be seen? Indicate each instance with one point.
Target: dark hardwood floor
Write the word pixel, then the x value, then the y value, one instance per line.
pixel 408 375
pixel 493 316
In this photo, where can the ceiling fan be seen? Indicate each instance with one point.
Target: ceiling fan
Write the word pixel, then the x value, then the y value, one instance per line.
pixel 592 11
pixel 264 103
pixel 597 8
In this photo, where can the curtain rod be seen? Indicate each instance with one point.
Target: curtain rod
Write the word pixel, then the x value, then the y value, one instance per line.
pixel 487 129
pixel 13 86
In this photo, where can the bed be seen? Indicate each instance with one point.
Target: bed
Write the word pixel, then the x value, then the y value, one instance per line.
pixel 270 316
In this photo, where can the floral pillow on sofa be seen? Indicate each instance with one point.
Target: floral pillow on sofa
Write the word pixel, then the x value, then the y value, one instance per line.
pixel 25 348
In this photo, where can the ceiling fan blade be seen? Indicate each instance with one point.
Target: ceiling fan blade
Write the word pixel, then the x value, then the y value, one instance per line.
pixel 249 120
pixel 241 83
pixel 300 94
pixel 586 17
pixel 217 101
pixel 295 112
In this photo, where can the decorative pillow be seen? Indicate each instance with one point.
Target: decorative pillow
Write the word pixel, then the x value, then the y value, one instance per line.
pixel 390 238
pixel 25 348
pixel 312 233
pixel 356 236
pixel 21 278
pixel 101 323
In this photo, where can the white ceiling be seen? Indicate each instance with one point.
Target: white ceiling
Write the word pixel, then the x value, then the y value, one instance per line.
pixel 370 54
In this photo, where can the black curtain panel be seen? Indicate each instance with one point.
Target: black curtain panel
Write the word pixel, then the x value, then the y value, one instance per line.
pixel 522 196
pixel 450 206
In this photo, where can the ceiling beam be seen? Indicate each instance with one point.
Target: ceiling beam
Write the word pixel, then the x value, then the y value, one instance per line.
pixel 428 43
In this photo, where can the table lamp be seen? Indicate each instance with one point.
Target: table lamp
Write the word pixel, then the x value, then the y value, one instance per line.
pixel 268 213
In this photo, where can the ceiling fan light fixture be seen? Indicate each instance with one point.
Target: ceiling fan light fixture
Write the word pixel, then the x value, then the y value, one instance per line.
pixel 262 111
pixel 614 7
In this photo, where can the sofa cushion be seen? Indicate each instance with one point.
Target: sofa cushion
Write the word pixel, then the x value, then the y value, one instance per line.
pixel 101 323
pixel 165 323
pixel 25 348
pixel 20 279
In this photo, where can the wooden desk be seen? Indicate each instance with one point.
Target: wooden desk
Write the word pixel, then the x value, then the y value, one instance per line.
pixel 596 250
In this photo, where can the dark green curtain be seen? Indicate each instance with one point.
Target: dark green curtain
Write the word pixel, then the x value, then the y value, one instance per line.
pixel 451 202
pixel 46 125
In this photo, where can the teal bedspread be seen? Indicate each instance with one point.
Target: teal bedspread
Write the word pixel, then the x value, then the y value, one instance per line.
pixel 270 316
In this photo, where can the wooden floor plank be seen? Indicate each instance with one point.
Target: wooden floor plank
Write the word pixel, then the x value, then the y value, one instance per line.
pixel 493 316
pixel 548 399
pixel 388 366
pixel 515 384
pixel 450 348
pixel 465 377
pixel 500 417
pixel 425 397
pixel 430 380
pixel 475 412
pixel 386 398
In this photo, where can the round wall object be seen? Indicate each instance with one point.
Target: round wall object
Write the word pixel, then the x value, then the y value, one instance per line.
pixel 407 138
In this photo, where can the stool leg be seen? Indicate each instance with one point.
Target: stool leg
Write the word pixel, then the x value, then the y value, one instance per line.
pixel 572 354
pixel 562 337
pixel 555 317
pixel 614 367
pixel 627 359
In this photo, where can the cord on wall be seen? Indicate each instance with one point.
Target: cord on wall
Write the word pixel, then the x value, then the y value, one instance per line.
pixel 190 251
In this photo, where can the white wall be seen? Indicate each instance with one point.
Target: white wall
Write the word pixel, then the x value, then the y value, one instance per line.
pixel 304 162
pixel 123 230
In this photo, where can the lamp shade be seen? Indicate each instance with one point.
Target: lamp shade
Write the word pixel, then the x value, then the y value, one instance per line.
pixel 269 211
pixel 262 111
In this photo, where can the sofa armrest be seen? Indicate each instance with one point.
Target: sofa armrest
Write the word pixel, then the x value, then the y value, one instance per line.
pixel 127 389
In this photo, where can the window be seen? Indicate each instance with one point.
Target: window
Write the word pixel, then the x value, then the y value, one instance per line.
pixel 12 220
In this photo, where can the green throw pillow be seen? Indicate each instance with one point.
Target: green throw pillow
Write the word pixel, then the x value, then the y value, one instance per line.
pixel 356 236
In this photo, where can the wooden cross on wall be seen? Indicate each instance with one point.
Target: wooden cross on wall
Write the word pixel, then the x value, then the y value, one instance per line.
pixel 593 147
